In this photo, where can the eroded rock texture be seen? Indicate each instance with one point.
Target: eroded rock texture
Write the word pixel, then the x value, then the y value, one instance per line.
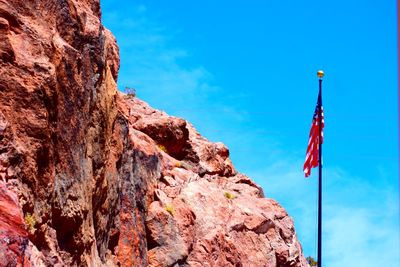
pixel 92 177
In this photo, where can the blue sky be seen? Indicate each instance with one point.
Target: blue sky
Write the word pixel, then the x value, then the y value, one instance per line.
pixel 244 73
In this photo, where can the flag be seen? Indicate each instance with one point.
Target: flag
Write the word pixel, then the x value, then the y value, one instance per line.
pixel 312 155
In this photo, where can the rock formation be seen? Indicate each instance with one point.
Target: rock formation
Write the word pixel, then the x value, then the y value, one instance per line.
pixel 92 177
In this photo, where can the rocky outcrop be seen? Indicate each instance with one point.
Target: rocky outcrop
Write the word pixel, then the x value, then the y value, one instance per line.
pixel 92 177
pixel 204 213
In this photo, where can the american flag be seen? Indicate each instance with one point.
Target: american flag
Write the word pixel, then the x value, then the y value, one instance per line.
pixel 312 156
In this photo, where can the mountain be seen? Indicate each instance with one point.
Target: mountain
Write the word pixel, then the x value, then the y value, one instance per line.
pixel 90 176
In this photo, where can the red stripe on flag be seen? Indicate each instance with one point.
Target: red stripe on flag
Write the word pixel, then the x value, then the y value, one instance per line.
pixel 312 154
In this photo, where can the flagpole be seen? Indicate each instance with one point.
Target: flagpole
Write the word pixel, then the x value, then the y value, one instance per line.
pixel 319 259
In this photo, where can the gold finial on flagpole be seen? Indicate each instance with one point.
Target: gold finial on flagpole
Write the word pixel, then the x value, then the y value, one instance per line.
pixel 320 74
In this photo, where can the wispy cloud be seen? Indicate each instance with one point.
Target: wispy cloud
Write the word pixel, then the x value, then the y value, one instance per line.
pixel 151 61
pixel 361 237
pixel 360 219
pixel 163 73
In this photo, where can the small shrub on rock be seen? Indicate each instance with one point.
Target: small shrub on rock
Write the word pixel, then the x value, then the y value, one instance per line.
pixel 162 148
pixel 229 195
pixel 310 260
pixel 130 92
pixel 170 209
pixel 30 223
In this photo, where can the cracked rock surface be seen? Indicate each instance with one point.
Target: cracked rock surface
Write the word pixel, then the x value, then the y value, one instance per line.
pixel 92 177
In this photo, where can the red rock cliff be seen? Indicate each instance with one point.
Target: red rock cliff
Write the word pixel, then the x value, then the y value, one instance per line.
pixel 92 177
